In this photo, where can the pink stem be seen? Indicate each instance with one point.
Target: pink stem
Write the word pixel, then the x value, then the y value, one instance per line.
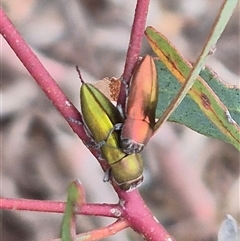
pixel 40 74
pixel 105 232
pixel 105 210
pixel 134 46
pixel 101 233
pixel 141 219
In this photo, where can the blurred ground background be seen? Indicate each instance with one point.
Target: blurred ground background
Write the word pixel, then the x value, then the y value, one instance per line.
pixel 191 182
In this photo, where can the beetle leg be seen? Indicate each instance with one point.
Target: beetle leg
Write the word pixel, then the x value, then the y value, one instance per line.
pixel 117 127
pixel 106 176
pixel 89 144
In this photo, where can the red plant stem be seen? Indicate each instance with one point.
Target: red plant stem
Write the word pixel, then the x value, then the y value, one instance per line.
pixel 134 46
pixel 100 233
pixel 40 74
pixel 105 232
pixel 135 211
pixel 105 210
pixel 141 219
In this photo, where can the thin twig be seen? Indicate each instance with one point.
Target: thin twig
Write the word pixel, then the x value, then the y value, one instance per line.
pixel 134 47
pixel 41 75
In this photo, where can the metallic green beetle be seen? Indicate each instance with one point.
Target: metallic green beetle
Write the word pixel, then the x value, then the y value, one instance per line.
pixel 100 116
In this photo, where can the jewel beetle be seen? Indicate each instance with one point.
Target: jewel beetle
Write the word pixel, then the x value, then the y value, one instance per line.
pixel 140 110
pixel 100 116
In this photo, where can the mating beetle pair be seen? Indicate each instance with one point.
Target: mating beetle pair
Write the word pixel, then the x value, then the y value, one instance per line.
pixel 104 120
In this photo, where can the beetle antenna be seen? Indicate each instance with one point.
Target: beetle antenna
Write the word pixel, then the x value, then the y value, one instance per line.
pixel 79 74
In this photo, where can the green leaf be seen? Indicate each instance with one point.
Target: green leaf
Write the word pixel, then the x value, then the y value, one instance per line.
pixel 190 113
pixel 76 198
pixel 201 109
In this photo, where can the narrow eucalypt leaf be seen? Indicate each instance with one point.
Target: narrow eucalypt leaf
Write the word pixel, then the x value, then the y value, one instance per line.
pixel 100 116
pixel 76 198
pixel 200 92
